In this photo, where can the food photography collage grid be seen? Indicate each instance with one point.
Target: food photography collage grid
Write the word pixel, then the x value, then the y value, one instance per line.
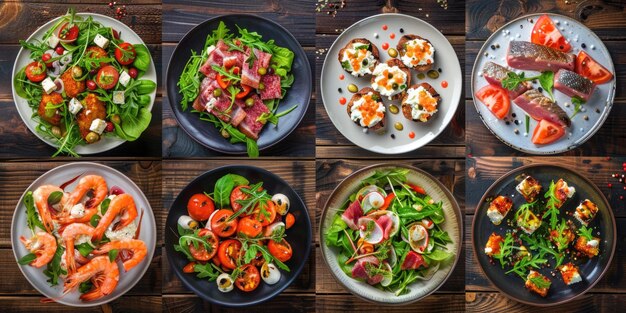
pixel 312 156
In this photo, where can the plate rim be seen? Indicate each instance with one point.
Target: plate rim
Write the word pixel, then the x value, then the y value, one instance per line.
pixel 455 207
pixel 118 141
pixel 588 135
pixel 454 104
pixel 308 77
pixel 119 174
pixel 584 178
pixel 279 289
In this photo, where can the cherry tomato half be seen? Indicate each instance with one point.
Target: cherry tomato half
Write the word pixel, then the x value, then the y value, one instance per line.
pixel 200 207
pixel 249 227
pixel 45 58
pixel 220 224
pixel 280 250
pixel 249 278
pixel 237 194
pixel 68 33
pixel 132 72
pixel 266 213
pixel 289 220
pixel 189 267
pixel 107 77
pixel 203 253
pixel 228 252
pixel 125 53
pixel 35 71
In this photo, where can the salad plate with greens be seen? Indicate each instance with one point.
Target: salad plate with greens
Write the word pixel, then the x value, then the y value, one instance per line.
pixel 391 234
pixel 84 83
pixel 238 83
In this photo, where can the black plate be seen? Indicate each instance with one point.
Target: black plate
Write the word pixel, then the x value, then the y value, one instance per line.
pixel 299 93
pixel 591 270
pixel 299 237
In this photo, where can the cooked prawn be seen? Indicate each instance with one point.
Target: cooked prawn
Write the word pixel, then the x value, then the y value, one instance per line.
pixel 122 205
pixel 137 247
pixel 69 235
pixel 43 245
pixel 95 183
pixel 45 210
pixel 103 273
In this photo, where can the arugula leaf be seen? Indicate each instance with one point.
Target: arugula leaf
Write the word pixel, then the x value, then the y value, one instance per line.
pixel 546 80
pixel 32 217
pixel 552 205
pixel 27 259
pixel 506 249
pixel 54 270
pixel 207 270
pixel 540 282
pixel 527 123
pixel 586 232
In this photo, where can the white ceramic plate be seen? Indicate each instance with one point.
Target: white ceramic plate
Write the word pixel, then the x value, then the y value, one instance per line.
pixel 23 58
pixel 445 58
pixel 596 109
pixel 419 289
pixel 58 176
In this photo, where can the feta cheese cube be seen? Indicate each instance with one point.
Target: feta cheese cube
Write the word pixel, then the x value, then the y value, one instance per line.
pixel 209 106
pixel 53 41
pixel 118 97
pixel 124 78
pixel 48 85
pixel 98 126
pixel 75 106
pixel 101 41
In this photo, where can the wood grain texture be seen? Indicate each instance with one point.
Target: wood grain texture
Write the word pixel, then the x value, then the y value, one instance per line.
pixel 498 303
pixel 285 302
pixel 438 302
pixel 136 304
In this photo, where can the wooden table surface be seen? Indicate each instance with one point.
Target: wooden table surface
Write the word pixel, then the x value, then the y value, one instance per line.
pixel 181 16
pixel 17 294
pixel 607 294
pixel 21 18
pixel 605 18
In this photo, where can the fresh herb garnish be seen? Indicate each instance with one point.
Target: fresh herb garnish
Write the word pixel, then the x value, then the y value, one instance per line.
pixel 578 103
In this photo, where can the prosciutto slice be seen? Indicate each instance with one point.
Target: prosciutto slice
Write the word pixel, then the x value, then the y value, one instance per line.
pixel 386 223
pixel 352 214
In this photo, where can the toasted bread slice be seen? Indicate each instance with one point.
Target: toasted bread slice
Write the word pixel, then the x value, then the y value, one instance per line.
pixel 399 64
pixel 372 48
pixel 406 108
pixel 402 51
pixel 378 127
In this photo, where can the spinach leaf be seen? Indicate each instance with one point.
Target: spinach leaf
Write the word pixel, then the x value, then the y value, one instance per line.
pixel 32 217
pixel 27 259
pixel 84 248
pixel 221 192
pixel 132 127
pixel 546 80
pixel 142 60
pixel 54 270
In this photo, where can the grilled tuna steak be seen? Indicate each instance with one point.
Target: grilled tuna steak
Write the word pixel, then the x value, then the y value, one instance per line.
pixel 525 55
pixel 495 73
pixel 573 84
pixel 541 107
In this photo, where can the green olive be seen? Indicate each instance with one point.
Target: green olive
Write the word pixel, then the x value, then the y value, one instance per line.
pixel 394 109
pixel 217 92
pixel 50 112
pixel 115 118
pixel 262 71
pixel 56 130
pixel 392 52
pixel 433 74
pixel 261 86
pixel 353 88
pixel 92 137
pixel 421 76
pixel 77 72
pixel 225 133
pixel 249 102
pixel 398 126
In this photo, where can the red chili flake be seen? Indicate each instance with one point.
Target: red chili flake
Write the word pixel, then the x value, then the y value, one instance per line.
pixel 385 27
pixel 385 46
pixel 444 84
pixel 342 100
pixel 392 36
pixel 411 135
pixel 341 77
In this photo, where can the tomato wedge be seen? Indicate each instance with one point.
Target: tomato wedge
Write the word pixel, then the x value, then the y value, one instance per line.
pixel 249 278
pixel 203 253
pixel 125 53
pixel 588 67
pixel 228 252
pixel 35 71
pixel 547 132
pixel 249 227
pixel 547 34
pixel 280 250
pixel 200 207
pixel 220 224
pixel 189 268
pixel 107 77
pixel 496 99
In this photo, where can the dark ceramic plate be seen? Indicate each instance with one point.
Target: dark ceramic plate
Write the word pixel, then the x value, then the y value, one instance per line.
pixel 299 237
pixel 299 93
pixel 591 270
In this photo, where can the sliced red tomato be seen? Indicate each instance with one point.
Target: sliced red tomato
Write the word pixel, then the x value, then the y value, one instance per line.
pixel 228 252
pixel 249 227
pixel 547 132
pixel 221 81
pixel 547 34
pixel 200 207
pixel 280 250
pixel 248 279
pixel 246 90
pixel 68 33
pixel 588 67
pixel 413 261
pixel 236 195
pixel 35 71
pixel 266 214
pixel 496 99
pixel 203 253
pixel 125 53
pixel 107 77
pixel 189 268
pixel 221 225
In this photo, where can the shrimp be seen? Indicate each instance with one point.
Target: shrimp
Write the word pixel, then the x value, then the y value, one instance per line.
pixel 43 245
pixel 103 273
pixel 122 205
pixel 69 235
pixel 94 183
pixel 45 210
pixel 137 247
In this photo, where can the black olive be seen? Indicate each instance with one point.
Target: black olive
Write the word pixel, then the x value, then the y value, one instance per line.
pixel 340 90
pixel 583 45
pixel 401 30
pixel 393 136
pixel 389 76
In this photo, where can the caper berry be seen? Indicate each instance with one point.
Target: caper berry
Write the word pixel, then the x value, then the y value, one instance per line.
pixel 398 126
pixel 115 118
pixel 217 92
pixel 392 52
pixel 262 71
pixel 77 72
pixel 261 86
pixel 421 76
pixel 249 102
pixel 433 74
pixel 225 133
pixel 353 88
pixel 394 109
pixel 92 137
pixel 56 130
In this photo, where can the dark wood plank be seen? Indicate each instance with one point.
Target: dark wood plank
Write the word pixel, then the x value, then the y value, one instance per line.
pixel 605 18
pixel 437 302
pixel 297 16
pixel 15 177
pixel 136 304
pixel 498 303
pixel 285 302
pixel 355 152
pixel 449 21
pixel 28 16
